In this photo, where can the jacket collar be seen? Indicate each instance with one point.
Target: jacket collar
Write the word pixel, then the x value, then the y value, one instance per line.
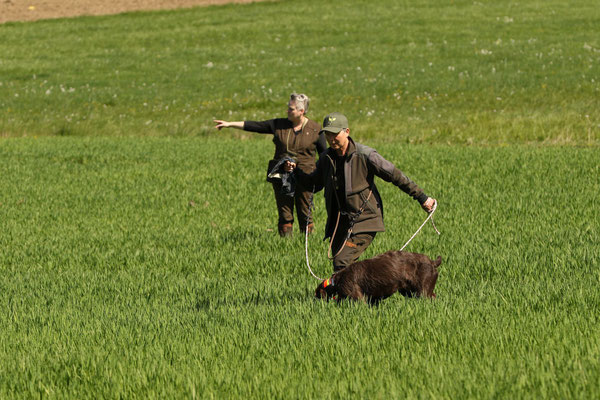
pixel 351 147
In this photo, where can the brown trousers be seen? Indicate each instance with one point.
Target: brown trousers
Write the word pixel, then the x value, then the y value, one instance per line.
pixel 353 248
pixel 285 206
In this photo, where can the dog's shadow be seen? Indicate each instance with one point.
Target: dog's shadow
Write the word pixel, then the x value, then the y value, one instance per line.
pixel 255 298
pixel 265 297
pixel 369 302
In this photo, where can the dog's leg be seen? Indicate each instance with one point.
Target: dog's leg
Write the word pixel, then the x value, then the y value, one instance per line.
pixel 338 299
pixel 430 285
pixel 357 294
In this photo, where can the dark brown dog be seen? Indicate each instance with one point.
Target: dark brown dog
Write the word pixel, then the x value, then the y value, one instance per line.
pixel 372 280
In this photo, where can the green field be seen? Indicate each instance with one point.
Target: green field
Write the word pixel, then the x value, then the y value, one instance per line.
pixel 432 72
pixel 139 256
pixel 133 267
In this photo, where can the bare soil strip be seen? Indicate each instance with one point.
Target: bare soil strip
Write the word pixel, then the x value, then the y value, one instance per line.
pixel 32 10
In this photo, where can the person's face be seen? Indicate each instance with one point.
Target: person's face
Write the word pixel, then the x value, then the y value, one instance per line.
pixel 293 112
pixel 338 141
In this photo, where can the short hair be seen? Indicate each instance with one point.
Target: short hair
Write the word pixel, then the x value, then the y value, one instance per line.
pixel 301 100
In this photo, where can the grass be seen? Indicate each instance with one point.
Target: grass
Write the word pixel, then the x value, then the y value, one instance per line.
pixel 456 72
pixel 132 267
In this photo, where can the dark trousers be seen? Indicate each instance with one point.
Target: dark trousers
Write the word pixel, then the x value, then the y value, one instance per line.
pixel 352 249
pixel 285 206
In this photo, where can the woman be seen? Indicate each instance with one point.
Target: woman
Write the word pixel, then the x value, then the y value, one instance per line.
pixel 295 137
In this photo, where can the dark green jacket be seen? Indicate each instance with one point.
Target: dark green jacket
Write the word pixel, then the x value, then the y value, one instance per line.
pixel 361 165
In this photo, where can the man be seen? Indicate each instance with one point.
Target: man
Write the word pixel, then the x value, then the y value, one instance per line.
pixel 346 172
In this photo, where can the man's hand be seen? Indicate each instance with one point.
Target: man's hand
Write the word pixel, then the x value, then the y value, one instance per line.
pixel 429 204
pixel 289 166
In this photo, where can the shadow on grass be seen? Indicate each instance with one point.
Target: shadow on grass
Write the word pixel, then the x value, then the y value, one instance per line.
pixel 258 298
pixel 271 298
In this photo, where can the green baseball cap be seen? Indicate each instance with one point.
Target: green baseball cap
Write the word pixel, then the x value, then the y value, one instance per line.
pixel 335 122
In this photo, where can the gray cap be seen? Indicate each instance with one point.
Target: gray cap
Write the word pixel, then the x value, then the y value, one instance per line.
pixel 335 122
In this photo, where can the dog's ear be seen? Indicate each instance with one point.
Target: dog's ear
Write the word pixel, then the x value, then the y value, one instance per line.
pixel 437 262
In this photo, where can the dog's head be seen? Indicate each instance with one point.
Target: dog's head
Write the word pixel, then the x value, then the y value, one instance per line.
pixel 326 289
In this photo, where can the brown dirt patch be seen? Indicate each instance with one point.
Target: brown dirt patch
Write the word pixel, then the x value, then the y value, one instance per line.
pixel 31 10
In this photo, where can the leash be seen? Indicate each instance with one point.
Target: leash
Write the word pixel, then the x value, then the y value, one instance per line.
pixel 311 207
pixel 351 222
pixel 429 217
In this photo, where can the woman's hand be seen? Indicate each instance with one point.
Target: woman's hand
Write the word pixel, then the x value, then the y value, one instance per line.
pixel 289 166
pixel 221 124
pixel 226 124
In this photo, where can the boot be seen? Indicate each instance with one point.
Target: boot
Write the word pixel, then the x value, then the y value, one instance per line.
pixel 285 230
pixel 310 227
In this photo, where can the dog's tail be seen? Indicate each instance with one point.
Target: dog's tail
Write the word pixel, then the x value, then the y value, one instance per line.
pixel 437 262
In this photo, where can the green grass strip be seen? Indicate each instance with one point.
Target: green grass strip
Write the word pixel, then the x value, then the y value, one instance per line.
pixel 454 72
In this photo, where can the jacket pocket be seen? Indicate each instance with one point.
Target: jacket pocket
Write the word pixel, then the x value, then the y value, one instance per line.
pixel 361 199
pixel 369 202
